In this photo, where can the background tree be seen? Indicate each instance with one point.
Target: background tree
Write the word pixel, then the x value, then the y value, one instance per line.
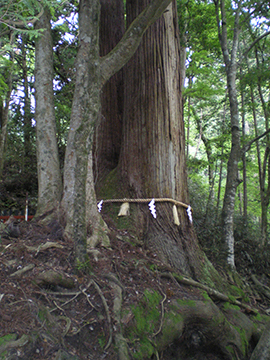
pixel 49 177
pixel 230 60
pixel 4 111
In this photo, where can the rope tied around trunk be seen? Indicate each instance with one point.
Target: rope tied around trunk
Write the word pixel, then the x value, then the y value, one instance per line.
pixel 175 202
pixel 151 203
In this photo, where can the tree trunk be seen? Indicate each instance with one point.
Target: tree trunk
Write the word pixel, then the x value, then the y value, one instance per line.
pixel 27 118
pixel 85 111
pixel 152 159
pixel 107 140
pixel 262 350
pixel 230 60
pixel 49 177
pixel 263 171
pixel 221 163
pixel 4 111
pixel 92 72
pixel 245 202
pixel 3 124
pixel 265 186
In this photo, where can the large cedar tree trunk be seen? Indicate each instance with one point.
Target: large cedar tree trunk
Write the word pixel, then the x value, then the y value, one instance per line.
pixel 107 141
pixel 153 146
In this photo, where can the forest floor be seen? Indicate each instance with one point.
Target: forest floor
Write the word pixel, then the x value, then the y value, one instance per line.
pixel 74 310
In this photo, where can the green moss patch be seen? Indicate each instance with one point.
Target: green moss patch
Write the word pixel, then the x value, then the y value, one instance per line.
pixel 146 322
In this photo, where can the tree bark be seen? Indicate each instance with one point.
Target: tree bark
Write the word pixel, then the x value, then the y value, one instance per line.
pixel 27 118
pixel 49 177
pixel 245 202
pixel 263 174
pixel 262 350
pixel 4 121
pixel 265 180
pixel 232 182
pixel 107 140
pixel 92 72
pixel 84 114
pixel 152 160
pixel 4 111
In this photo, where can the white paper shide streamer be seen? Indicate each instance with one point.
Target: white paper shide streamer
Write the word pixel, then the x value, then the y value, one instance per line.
pixel 189 213
pixel 152 208
pixel 99 205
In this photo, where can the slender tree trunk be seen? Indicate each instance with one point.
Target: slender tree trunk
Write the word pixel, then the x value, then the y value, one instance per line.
pixel 263 165
pixel 261 176
pixel 219 182
pixel 85 111
pixel 152 157
pixel 27 118
pixel 232 182
pixel 221 162
pixel 4 121
pixel 49 177
pixel 210 158
pixel 4 111
pixel 244 160
pixel 265 185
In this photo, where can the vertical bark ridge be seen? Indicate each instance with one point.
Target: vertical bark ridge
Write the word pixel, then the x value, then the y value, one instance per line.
pixel 153 153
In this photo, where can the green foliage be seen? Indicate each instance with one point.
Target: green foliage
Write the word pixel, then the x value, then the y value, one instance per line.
pixel 83 267
pixel 102 341
pixel 5 339
pixel 201 23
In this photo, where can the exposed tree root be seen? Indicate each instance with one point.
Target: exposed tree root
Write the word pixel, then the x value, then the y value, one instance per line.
pixel 24 339
pixel 201 325
pixel 260 287
pixel 107 313
pixel 262 350
pixel 211 292
pixel 120 341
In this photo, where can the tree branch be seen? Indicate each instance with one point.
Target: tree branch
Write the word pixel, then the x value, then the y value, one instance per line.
pixel 12 24
pixel 123 51
pixel 255 42
pixel 248 145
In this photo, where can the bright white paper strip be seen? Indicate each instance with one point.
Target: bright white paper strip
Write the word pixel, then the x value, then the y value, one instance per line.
pixel 189 213
pixel 152 208
pixel 99 205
